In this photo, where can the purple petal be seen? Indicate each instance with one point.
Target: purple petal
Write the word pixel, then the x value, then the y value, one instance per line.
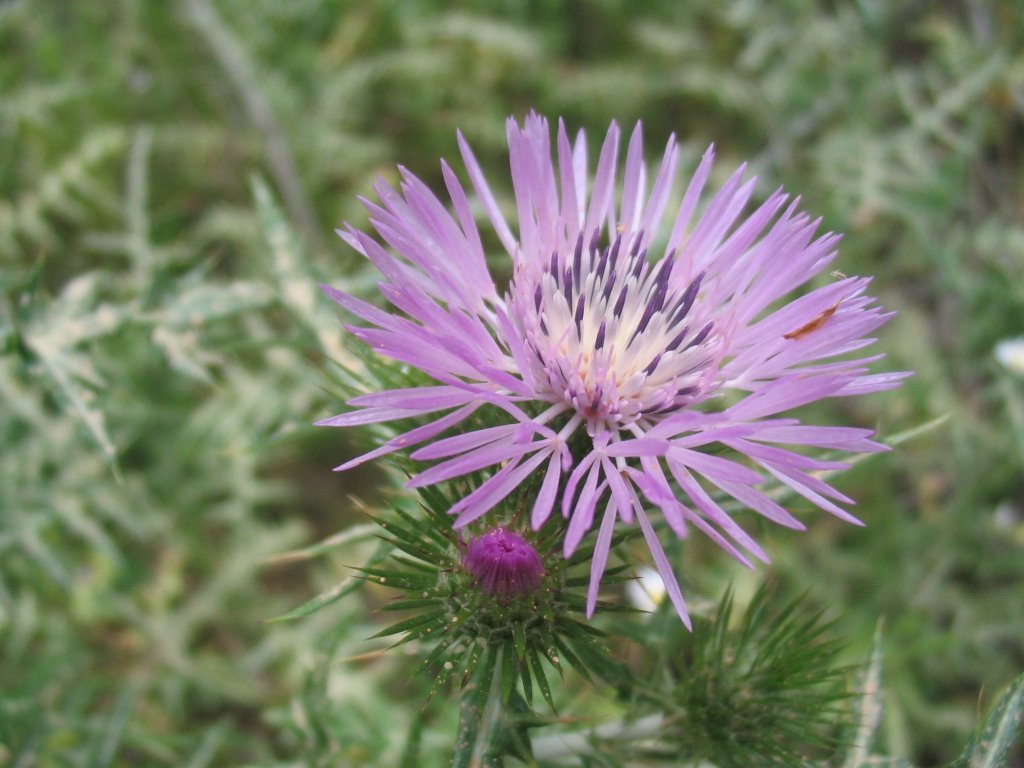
pixel 714 466
pixel 814 497
pixel 583 511
pixel 486 197
pixel 483 499
pixel 546 496
pixel 369 416
pixel 849 439
pixel 624 498
pixel 639 447
pixel 450 446
pixel 632 189
pixel 574 480
pixel 599 560
pixel 714 512
pixel 604 181
pixel 501 450
pixel 414 398
pixel 412 437
pixel 664 568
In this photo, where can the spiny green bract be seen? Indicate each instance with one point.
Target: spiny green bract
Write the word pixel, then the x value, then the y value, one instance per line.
pixel 763 690
pixel 468 627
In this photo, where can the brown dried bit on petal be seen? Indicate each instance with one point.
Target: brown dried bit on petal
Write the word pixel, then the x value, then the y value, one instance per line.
pixel 814 324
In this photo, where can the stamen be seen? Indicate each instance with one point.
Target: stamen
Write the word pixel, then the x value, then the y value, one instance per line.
pixel 577 261
pixel 677 340
pixel 615 388
pixel 658 300
pixel 621 301
pixel 665 270
pixel 688 297
pixel 636 243
pixel 609 285
pixel 602 263
pixel 654 364
pixel 615 248
pixel 641 262
pixel 700 336
pixel 644 320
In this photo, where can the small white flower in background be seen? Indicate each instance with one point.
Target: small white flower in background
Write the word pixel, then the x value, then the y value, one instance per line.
pixel 1008 519
pixel 1006 516
pixel 647 590
pixel 1010 352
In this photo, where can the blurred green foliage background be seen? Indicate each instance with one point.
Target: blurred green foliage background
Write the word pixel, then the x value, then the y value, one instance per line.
pixel 163 346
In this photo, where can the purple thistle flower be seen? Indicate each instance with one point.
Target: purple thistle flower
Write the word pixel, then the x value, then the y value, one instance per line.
pixel 503 563
pixel 624 349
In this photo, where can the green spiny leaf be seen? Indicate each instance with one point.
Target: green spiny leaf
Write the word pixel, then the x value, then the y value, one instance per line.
pixel 410 624
pixel 519 640
pixel 478 727
pixel 412 605
pixel 567 653
pixel 869 709
pixel 413 742
pixel 350 535
pixel 508 671
pixel 334 594
pixel 542 680
pixel 990 746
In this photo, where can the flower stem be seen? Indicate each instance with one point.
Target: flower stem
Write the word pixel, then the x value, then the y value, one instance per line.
pixel 478 742
pixel 571 745
pixel 490 752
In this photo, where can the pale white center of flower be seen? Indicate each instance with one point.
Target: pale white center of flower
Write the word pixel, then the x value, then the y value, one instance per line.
pixel 616 338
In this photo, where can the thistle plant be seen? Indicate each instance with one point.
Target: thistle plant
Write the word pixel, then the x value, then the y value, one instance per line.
pixel 763 688
pixel 635 376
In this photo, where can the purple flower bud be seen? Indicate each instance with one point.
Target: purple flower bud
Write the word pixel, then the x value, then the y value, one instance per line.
pixel 503 562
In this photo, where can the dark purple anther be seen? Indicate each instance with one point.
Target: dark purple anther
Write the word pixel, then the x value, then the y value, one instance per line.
pixel 503 563
pixel 649 311
pixel 691 293
pixel 700 336
pixel 636 243
pixel 620 302
pixel 577 262
pixel 665 270
pixel 602 264
pixel 653 365
pixel 678 339
pixel 599 341
pixel 614 255
pixel 609 285
pixel 641 260
pixel 658 299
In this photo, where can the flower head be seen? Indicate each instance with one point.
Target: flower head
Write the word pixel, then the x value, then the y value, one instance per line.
pixel 631 339
pixel 503 563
